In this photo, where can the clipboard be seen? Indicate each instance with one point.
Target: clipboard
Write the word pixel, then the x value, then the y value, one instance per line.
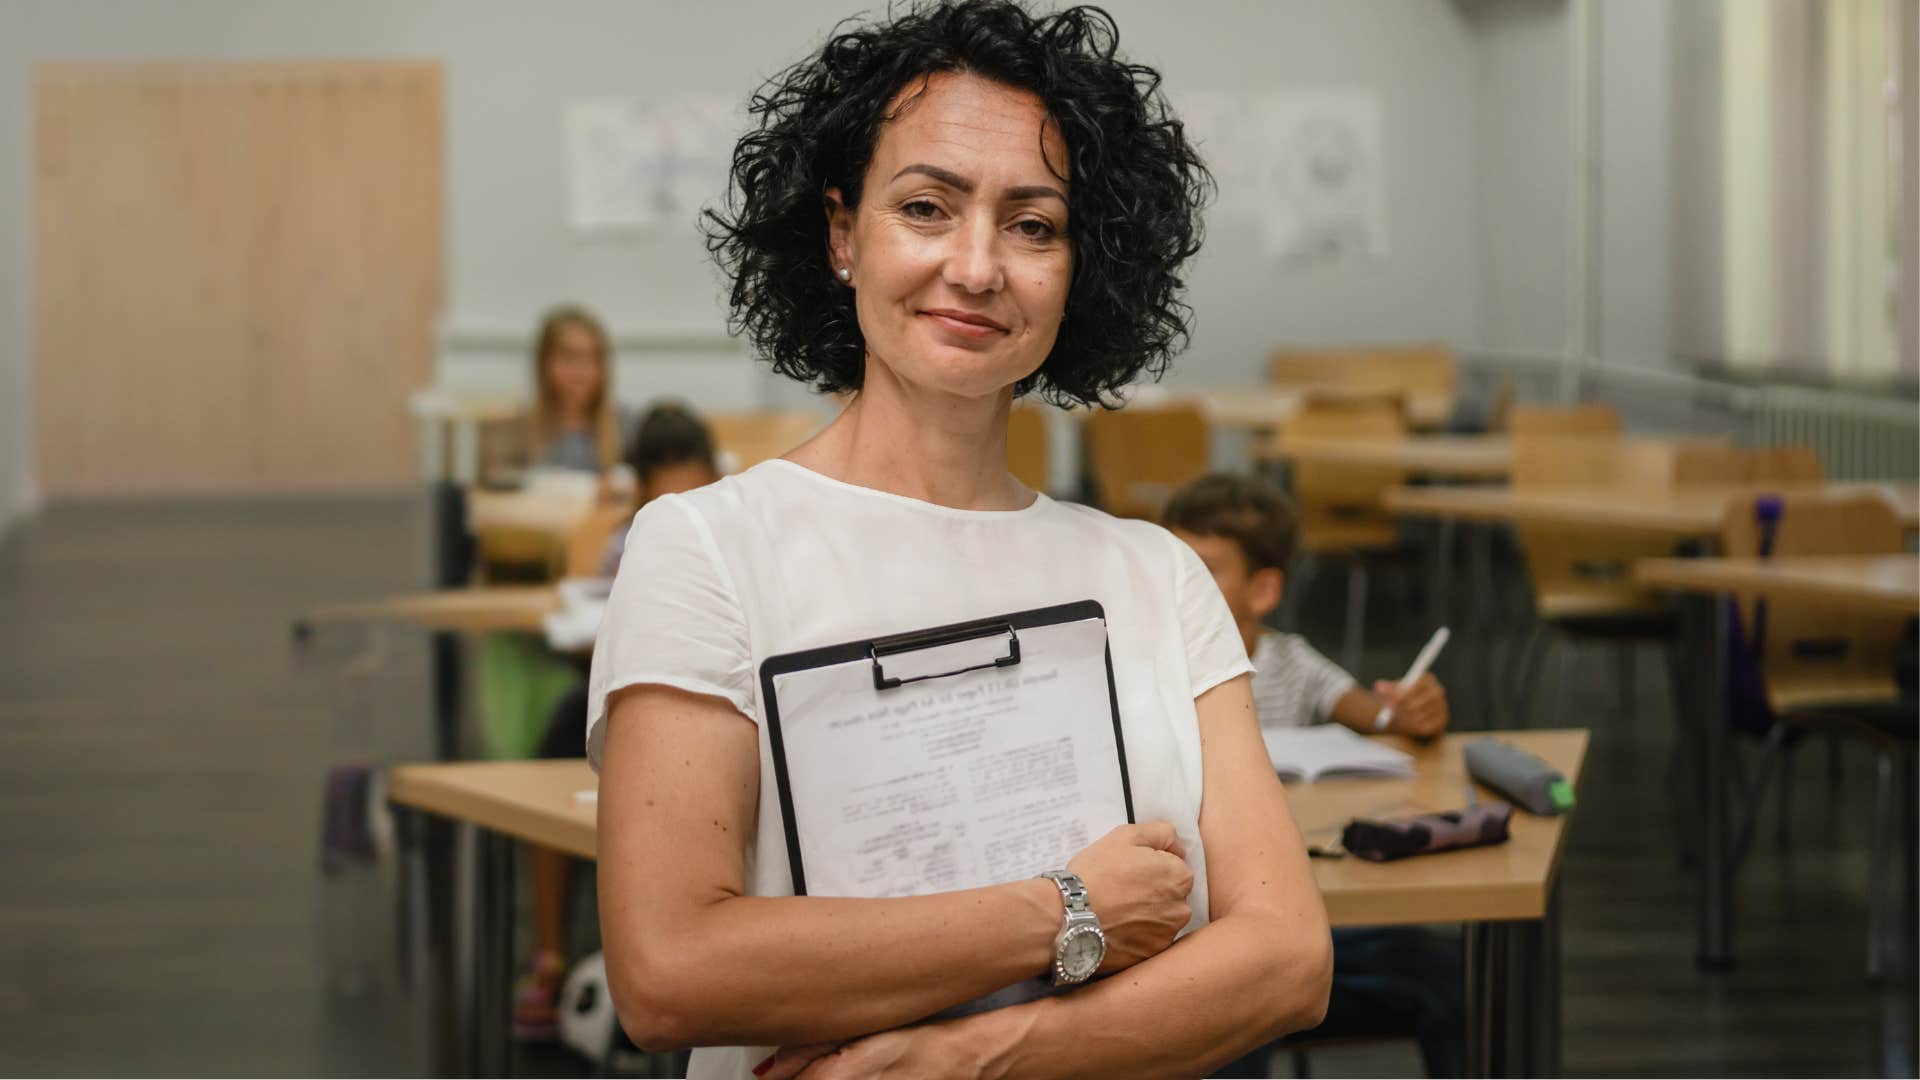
pixel 887 669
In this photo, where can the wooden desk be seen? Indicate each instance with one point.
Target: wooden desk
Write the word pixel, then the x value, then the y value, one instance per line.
pixel 534 801
pixel 1888 584
pixel 1462 457
pixel 1507 892
pixel 476 609
pixel 1684 512
pixel 1512 881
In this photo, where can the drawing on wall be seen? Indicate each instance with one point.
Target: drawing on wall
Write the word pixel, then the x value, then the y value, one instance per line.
pixel 636 165
pixel 1305 166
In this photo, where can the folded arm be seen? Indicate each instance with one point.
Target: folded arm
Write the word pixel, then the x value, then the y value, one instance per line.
pixel 693 961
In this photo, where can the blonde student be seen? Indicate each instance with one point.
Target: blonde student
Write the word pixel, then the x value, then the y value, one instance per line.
pixel 573 423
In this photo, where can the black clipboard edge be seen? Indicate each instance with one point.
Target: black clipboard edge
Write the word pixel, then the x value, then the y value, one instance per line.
pixel 853 651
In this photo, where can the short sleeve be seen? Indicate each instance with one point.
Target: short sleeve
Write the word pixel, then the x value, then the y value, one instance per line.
pixel 673 619
pixel 1215 652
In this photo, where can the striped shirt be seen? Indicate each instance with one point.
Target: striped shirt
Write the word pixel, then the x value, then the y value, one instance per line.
pixel 1293 685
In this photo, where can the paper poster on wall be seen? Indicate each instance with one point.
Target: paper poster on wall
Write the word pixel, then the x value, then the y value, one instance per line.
pixel 1320 176
pixel 1305 167
pixel 636 165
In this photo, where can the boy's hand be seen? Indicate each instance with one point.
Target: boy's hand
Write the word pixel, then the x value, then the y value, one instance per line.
pixel 1419 710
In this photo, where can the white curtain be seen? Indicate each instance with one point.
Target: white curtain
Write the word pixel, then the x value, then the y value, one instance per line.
pixel 1812 217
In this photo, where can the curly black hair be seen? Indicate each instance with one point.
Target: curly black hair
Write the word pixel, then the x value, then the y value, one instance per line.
pixel 1133 204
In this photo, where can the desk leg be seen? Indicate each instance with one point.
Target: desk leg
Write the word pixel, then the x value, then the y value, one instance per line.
pixel 1481 981
pixel 1707 626
pixel 1513 996
pixel 452 567
pixel 491 984
pixel 426 909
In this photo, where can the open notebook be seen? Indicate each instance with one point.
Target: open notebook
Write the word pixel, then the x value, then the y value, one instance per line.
pixel 1309 753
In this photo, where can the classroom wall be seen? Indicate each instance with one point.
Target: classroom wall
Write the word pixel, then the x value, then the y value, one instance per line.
pixel 1523 142
pixel 511 68
pixel 1635 204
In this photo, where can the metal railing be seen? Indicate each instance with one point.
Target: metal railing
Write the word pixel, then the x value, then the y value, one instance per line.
pixel 1859 436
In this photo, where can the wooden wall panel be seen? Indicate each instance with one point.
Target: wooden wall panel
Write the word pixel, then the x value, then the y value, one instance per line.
pixel 237 268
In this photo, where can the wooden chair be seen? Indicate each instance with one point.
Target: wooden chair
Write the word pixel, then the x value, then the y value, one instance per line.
pixel 1723 463
pixel 1582 581
pixel 1341 516
pixel 523 536
pixel 1139 456
pixel 1422 373
pixel 1830 671
pixel 587 547
pixel 1027 455
pixel 1591 418
pixel 745 439
pixel 1582 578
pixel 1412 369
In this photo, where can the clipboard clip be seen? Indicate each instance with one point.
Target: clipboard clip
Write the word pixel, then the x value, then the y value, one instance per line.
pixel 933 639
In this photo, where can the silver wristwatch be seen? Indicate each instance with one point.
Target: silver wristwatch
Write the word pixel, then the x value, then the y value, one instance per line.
pixel 1081 946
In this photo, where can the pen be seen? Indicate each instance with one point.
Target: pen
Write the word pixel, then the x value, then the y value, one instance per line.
pixel 1420 665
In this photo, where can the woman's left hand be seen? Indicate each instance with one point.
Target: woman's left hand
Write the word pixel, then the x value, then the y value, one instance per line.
pixel 924 1050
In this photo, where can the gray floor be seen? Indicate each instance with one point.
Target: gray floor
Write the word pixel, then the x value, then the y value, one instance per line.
pixel 163 746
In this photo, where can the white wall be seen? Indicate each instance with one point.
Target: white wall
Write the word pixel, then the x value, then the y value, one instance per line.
pixel 1635 201
pixel 1522 208
pixel 512 67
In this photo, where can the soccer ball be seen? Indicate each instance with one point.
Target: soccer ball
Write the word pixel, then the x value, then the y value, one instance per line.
pixel 586 1009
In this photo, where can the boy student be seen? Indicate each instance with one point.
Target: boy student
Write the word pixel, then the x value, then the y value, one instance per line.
pixel 1394 981
pixel 1244 529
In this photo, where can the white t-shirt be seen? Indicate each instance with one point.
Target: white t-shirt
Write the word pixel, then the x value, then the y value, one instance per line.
pixel 780 558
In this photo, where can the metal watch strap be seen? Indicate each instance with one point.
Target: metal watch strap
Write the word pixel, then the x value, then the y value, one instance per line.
pixel 1072 890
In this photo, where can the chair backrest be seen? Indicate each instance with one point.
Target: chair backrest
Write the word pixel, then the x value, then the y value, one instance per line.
pixel 587 547
pixel 1027 446
pixel 1816 651
pixel 746 439
pixel 1591 461
pixel 523 536
pixel 1340 504
pixel 1587 571
pixel 1139 456
pixel 1430 369
pixel 1591 418
pixel 1724 463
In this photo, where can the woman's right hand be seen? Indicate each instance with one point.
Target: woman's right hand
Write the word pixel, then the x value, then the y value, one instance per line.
pixel 1137 883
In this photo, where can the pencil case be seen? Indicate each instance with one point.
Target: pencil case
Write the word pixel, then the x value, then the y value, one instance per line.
pixel 1383 841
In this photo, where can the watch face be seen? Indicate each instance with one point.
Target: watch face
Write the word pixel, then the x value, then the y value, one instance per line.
pixel 1082 953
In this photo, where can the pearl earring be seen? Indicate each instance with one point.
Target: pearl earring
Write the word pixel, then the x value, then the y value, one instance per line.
pixel 846 274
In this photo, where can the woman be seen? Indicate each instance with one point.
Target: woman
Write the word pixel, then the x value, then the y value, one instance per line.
pixel 941 212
